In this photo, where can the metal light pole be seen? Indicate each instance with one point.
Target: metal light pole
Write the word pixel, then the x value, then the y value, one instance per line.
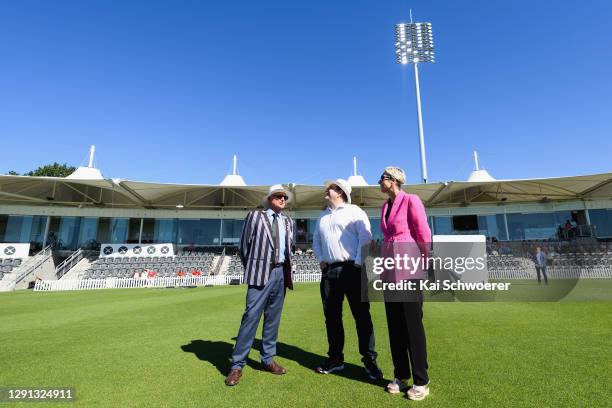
pixel 414 44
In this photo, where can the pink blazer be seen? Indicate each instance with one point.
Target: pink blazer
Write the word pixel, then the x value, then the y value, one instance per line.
pixel 407 224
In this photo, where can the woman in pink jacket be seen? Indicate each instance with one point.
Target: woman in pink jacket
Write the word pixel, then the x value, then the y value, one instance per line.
pixel 404 226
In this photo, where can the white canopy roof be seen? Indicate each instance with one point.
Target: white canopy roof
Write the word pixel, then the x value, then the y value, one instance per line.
pixel 138 194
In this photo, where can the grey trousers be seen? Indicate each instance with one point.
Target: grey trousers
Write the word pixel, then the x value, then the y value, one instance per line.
pixel 268 300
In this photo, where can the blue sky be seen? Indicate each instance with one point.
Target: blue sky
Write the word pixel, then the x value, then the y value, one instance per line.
pixel 169 90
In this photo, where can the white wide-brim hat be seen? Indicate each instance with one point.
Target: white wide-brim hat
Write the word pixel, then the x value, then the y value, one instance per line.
pixel 277 188
pixel 344 186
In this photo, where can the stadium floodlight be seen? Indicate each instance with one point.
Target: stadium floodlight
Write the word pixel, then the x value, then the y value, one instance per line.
pixel 413 45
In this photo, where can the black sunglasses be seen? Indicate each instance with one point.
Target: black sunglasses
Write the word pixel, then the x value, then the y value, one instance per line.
pixel 279 197
pixel 386 177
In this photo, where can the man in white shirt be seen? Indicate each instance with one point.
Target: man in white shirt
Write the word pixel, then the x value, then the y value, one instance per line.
pixel 341 231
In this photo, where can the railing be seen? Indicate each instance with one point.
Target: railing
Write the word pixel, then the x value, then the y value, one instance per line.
pixel 219 264
pixel 69 263
pixel 306 277
pixel 37 260
pixel 579 231
pixel 120 283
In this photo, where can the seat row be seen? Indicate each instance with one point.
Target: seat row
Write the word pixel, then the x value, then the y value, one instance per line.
pixel 169 259
pixel 132 272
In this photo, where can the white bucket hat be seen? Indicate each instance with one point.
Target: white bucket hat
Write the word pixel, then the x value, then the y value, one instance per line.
pixel 344 186
pixel 277 188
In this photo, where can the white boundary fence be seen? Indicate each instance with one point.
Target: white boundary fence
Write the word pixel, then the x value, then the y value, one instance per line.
pixel 121 283
pixel 554 272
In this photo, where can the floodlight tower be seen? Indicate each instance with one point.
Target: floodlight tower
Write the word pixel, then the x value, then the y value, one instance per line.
pixel 414 44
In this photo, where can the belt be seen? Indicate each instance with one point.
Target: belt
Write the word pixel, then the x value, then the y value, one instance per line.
pixel 342 263
pixel 276 265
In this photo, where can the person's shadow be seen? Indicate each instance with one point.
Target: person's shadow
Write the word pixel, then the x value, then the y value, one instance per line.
pixel 218 353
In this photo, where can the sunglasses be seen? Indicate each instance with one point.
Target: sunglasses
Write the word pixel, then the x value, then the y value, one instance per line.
pixel 385 177
pixel 280 197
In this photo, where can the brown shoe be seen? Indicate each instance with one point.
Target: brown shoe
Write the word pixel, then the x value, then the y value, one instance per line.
pixel 233 377
pixel 275 368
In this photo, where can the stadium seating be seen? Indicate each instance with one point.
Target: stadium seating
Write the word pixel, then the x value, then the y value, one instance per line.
pixel 575 265
pixel 235 267
pixel 185 263
pixel 305 262
pixel 564 260
pixel 508 266
pixel 505 260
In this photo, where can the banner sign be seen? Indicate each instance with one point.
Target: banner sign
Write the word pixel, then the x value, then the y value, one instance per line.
pixel 13 251
pixel 137 250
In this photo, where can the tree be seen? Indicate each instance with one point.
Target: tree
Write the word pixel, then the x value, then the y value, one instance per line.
pixel 53 170
pixel 12 173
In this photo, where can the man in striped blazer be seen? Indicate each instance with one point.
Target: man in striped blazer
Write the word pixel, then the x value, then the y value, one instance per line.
pixel 265 251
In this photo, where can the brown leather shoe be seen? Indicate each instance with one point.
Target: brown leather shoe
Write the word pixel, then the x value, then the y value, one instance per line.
pixel 275 368
pixel 233 377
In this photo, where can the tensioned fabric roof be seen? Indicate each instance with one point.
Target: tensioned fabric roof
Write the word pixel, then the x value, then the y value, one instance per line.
pixel 115 193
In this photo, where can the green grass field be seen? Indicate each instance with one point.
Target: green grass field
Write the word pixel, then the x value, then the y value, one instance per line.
pixel 171 348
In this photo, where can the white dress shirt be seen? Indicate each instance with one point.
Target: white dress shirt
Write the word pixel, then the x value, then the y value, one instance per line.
pixel 340 233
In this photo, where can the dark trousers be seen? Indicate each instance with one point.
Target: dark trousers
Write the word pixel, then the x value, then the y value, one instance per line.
pixel 543 269
pixel 407 339
pixel 337 282
pixel 268 300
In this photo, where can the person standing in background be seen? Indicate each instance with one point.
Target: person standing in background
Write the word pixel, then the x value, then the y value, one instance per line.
pixel 540 265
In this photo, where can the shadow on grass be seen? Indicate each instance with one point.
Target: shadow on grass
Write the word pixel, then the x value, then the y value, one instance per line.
pixel 218 353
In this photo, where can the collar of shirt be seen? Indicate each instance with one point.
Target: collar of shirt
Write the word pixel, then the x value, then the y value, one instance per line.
pixel 269 212
pixel 281 226
pixel 339 207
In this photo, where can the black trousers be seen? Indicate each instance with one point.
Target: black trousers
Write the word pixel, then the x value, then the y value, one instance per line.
pixel 336 283
pixel 543 269
pixel 407 339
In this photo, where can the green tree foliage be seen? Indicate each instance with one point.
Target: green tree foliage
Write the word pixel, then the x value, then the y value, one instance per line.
pixel 53 170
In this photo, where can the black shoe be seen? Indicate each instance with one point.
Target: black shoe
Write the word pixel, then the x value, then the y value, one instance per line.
pixel 372 369
pixel 330 365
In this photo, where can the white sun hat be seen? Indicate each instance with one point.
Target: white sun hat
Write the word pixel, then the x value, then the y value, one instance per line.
pixel 277 188
pixel 344 186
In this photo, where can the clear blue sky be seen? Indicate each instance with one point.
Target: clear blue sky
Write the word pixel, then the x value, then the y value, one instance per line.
pixel 169 90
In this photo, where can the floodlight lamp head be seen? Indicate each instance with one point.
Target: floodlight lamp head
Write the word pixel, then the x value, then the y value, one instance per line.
pixel 414 43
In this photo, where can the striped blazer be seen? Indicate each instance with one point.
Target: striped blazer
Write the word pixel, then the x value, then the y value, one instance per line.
pixel 257 249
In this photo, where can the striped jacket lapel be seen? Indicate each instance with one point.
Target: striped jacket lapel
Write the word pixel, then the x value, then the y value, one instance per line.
pixel 288 235
pixel 267 226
